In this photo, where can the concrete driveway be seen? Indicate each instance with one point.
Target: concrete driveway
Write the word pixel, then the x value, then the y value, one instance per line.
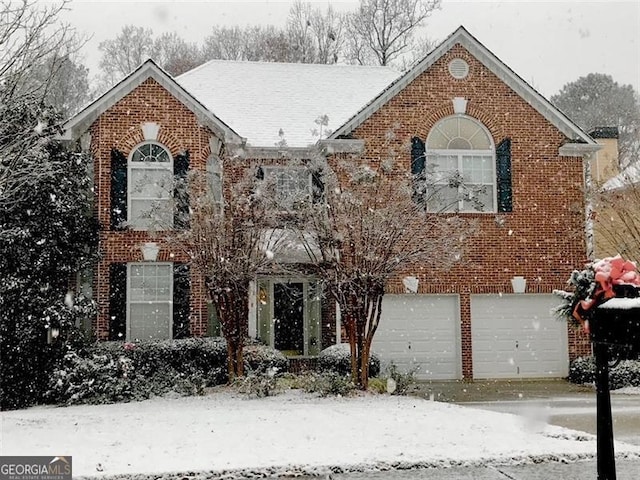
pixel 557 402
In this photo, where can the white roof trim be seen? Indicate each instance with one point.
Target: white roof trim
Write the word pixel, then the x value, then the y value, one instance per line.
pixel 503 72
pixel 80 123
pixel 578 149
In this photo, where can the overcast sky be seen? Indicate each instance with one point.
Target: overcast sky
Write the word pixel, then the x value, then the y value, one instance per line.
pixel 546 43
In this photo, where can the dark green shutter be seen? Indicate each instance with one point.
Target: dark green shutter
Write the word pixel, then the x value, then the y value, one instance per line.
pixel 417 169
pixel 117 301
pixel 317 186
pixel 118 190
pixel 181 295
pixel 503 171
pixel 181 191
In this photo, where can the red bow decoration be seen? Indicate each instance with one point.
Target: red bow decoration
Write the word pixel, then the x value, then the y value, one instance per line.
pixel 608 272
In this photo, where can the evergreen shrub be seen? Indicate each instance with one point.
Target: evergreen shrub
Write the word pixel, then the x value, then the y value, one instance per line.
pixel 109 372
pixel 337 358
pixel 625 374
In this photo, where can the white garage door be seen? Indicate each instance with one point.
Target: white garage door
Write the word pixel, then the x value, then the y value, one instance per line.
pixel 517 336
pixel 420 330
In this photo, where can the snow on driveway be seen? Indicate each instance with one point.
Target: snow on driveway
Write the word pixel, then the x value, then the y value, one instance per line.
pixel 223 431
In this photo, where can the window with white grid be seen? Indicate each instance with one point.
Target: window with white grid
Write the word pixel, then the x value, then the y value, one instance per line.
pixel 150 188
pixel 150 301
pixel 460 158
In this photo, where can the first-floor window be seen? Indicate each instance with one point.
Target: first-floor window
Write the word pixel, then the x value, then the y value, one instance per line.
pixel 150 301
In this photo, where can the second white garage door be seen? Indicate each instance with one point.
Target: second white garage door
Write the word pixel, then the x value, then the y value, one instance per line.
pixel 421 330
pixel 517 336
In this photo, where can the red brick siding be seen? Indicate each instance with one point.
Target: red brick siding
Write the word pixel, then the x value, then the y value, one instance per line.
pixel 543 238
pixel 120 127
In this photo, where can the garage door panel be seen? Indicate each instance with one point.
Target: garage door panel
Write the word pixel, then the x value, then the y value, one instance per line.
pixel 420 330
pixel 517 336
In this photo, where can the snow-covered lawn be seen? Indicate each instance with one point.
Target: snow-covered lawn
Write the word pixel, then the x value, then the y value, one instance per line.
pixel 222 431
pixel 628 391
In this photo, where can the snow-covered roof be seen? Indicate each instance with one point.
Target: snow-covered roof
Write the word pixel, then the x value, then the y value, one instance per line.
pixel 260 100
pixel 81 121
pixel 629 176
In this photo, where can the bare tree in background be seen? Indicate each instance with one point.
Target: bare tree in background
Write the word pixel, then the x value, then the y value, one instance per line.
pixel 315 36
pixel 381 31
pixel 225 43
pixel 30 36
pixel 176 55
pixel 33 45
pixel 120 56
pixel 617 219
pixel 378 33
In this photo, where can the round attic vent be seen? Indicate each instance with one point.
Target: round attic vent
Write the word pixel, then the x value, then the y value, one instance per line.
pixel 458 68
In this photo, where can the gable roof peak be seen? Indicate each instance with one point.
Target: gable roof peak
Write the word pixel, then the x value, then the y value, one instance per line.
pixel 79 123
pixel 481 53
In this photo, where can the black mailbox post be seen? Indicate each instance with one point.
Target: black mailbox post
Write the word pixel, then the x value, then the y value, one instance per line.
pixel 615 327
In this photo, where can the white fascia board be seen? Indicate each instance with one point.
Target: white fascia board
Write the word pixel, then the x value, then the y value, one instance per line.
pixel 81 122
pixel 578 149
pixel 248 151
pixel 341 145
pixel 494 64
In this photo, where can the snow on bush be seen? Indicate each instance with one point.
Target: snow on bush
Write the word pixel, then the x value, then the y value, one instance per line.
pixel 263 359
pixel 625 374
pixel 337 358
pixel 109 372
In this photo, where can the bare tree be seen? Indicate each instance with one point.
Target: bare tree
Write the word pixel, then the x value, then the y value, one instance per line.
pixel 381 31
pixel 299 32
pixel 329 32
pixel 176 55
pixel 229 243
pixel 310 36
pixel 128 50
pixel 32 41
pixel 267 44
pixel 225 43
pixel 30 35
pixel 617 218
pixel 368 230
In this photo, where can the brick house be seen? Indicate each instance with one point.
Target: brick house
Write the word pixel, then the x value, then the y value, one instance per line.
pixel 460 108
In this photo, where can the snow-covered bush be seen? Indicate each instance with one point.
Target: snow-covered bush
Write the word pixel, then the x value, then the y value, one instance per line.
pixel 259 358
pixel 111 372
pixel 625 374
pixel 337 358
pixel 328 384
pixel 402 380
pixel 258 384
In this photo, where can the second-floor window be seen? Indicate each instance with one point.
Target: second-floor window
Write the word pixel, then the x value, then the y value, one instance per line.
pixel 460 158
pixel 292 185
pixel 150 187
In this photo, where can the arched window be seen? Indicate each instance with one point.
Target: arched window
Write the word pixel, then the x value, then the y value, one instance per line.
pixel 461 166
pixel 150 187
